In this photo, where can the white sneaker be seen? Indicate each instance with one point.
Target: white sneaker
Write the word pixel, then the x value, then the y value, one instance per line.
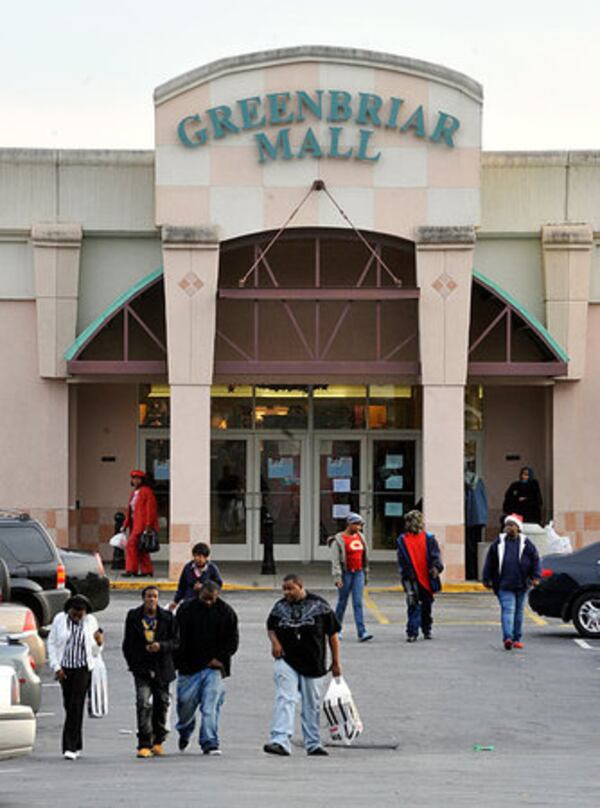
pixel 70 755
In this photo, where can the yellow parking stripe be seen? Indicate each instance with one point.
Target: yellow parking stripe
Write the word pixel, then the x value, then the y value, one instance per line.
pixel 539 621
pixel 370 604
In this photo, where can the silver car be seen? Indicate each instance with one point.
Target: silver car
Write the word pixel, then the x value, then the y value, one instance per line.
pixel 17 722
pixel 17 655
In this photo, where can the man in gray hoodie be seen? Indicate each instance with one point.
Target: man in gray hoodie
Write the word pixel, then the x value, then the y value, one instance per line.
pixel 350 568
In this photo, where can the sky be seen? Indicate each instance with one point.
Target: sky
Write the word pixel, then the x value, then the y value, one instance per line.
pixel 81 75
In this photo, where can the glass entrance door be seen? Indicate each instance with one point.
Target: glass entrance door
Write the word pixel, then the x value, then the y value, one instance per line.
pixel 394 488
pixel 154 453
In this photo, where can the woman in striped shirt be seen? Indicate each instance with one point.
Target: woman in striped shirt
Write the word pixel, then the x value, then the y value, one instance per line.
pixel 73 645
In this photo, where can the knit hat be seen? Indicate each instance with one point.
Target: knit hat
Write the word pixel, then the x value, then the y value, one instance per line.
pixel 137 473
pixel 354 519
pixel 414 522
pixel 515 519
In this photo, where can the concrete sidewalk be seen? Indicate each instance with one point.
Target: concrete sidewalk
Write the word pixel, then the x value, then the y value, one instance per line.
pixel 246 576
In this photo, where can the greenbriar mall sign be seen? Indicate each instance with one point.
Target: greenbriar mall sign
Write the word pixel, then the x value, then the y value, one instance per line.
pixel 336 107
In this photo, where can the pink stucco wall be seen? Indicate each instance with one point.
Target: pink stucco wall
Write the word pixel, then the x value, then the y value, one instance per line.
pixel 517 421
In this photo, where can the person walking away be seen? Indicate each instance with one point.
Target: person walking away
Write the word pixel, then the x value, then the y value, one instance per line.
pixel 149 641
pixel 208 629
pixel 420 565
pixel 523 496
pixel 300 626
pixel 350 569
pixel 512 566
pixel 196 573
pixel 141 515
pixel 74 643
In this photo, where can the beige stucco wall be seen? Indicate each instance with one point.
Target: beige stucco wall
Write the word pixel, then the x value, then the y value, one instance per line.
pixel 34 423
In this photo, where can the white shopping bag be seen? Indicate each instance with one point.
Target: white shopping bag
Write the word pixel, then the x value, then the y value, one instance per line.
pixel 557 544
pixel 98 692
pixel 119 540
pixel 341 712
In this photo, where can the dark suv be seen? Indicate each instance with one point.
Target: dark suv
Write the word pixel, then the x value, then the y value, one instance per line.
pixel 42 575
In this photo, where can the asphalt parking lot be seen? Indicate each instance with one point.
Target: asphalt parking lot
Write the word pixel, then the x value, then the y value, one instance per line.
pixel 424 706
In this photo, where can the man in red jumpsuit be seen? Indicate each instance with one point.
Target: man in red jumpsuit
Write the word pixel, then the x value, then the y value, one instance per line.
pixel 141 516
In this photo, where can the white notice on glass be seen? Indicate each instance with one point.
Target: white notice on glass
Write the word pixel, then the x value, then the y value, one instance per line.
pixel 394 461
pixel 341 485
pixel 394 509
pixel 395 482
pixel 340 511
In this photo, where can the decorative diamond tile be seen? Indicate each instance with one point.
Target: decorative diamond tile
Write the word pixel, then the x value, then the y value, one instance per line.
pixel 444 284
pixel 191 284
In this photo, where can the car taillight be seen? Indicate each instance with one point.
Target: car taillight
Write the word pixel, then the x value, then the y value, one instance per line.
pixel 29 624
pixel 99 563
pixel 546 573
pixel 15 691
pixel 61 576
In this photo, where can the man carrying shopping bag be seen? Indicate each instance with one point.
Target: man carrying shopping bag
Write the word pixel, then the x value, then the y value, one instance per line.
pixel 300 626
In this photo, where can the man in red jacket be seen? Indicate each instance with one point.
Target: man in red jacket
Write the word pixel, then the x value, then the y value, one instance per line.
pixel 141 516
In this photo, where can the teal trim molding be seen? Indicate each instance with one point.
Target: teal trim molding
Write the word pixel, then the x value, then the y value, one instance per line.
pixel 529 318
pixel 93 328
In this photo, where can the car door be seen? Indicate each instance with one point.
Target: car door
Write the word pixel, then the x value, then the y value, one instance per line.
pixel 29 553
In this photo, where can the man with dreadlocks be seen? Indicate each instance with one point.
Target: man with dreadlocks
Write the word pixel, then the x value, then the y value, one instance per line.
pixel 420 564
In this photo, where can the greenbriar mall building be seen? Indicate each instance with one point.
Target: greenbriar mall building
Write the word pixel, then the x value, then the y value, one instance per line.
pixel 315 294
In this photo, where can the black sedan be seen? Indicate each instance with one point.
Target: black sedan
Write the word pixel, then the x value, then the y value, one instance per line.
pixel 570 589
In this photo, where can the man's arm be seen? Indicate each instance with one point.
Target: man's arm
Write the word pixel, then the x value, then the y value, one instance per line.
pixel 334 645
pixel 276 646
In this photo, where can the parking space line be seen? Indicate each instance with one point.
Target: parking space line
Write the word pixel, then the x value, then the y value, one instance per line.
pixel 50 684
pixel 583 644
pixel 539 621
pixel 374 608
pixel 44 715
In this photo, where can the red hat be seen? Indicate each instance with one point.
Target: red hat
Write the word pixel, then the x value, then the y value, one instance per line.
pixel 137 473
pixel 516 519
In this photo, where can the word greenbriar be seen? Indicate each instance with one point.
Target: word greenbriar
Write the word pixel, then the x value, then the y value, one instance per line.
pixel 332 106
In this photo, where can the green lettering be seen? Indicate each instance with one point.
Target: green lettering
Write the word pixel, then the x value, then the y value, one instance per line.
pixel 268 149
pixel 392 121
pixel 339 106
pixel 334 148
pixel 220 117
pixel 199 136
pixel 365 135
pixel 445 128
pixel 369 107
pixel 314 106
pixel 250 108
pixel 310 145
pixel 416 122
pixel 277 106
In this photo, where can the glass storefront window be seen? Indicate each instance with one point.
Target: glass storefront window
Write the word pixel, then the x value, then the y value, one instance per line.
pixel 393 406
pixel 340 406
pixel 228 489
pixel 474 408
pixel 284 408
pixel 154 409
pixel 231 406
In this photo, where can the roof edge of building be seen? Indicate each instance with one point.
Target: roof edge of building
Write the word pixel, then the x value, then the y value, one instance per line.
pixel 322 53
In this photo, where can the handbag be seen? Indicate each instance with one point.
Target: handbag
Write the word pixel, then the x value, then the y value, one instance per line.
pixel 98 692
pixel 341 712
pixel 149 542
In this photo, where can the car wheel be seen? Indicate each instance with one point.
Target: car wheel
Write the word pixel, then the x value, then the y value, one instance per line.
pixel 586 615
pixel 4 582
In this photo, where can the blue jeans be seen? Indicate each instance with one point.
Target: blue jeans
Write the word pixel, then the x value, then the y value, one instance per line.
pixel 352 582
pixel 205 690
pixel 512 606
pixel 291 687
pixel 419 613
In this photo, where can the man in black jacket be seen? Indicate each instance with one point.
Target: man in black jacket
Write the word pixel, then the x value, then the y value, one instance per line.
pixel 150 639
pixel 208 630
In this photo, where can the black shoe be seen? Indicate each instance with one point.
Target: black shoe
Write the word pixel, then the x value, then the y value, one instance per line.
pixel 183 743
pixel 319 752
pixel 127 574
pixel 276 749
pixel 411 638
pixel 428 635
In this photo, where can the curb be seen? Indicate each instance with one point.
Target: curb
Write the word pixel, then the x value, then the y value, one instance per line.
pixel 171 586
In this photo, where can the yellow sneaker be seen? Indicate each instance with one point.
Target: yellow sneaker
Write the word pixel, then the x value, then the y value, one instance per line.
pixel 158 750
pixel 145 753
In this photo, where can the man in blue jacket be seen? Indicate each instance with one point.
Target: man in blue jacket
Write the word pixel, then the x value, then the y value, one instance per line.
pixel 512 565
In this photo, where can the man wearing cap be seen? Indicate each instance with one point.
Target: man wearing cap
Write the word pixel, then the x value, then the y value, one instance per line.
pixel 141 515
pixel 512 565
pixel 350 568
